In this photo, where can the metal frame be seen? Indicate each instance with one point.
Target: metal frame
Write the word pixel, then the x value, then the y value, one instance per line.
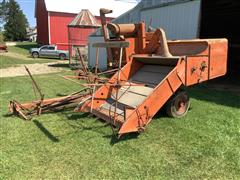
pixel 121 45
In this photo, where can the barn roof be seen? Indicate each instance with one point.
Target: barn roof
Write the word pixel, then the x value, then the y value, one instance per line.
pixel 75 6
pixel 85 18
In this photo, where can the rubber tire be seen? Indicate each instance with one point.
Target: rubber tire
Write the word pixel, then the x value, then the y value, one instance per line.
pixel 35 55
pixel 62 56
pixel 171 108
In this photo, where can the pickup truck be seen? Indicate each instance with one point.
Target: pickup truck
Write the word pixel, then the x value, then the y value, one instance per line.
pixel 49 51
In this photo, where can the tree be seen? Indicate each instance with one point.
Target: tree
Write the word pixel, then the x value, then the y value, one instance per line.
pixel 16 22
pixel 3 12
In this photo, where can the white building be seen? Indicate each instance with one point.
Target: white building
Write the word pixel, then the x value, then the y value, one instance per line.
pixel 32 34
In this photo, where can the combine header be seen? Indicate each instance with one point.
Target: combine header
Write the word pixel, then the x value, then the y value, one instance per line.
pixel 154 74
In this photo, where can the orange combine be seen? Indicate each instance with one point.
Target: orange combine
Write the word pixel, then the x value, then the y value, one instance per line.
pixel 155 73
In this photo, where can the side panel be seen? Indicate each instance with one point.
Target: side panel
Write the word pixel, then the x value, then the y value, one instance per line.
pixel 189 48
pixel 197 70
pixel 218 58
pixel 146 111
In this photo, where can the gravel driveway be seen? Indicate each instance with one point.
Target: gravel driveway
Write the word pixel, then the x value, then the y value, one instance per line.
pixel 45 68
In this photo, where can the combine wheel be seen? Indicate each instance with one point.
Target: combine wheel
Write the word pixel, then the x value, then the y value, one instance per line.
pixel 178 105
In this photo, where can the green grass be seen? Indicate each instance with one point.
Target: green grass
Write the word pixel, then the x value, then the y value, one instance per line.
pixel 204 144
pixel 21 49
pixel 6 62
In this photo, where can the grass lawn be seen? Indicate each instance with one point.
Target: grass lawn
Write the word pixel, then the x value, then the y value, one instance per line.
pixel 6 62
pixel 22 47
pixel 204 144
pixel 20 55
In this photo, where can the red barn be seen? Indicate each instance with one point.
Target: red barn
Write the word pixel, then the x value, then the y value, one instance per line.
pixel 54 16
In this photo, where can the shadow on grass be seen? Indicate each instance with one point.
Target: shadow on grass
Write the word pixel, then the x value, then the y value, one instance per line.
pixel 75 121
pixel 100 129
pixel 59 65
pixel 77 116
pixel 223 91
pixel 8 115
pixel 45 131
pixel 224 98
pixel 126 137
pixel 27 46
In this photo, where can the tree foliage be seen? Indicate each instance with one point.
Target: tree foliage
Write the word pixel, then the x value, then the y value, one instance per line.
pixel 3 11
pixel 16 22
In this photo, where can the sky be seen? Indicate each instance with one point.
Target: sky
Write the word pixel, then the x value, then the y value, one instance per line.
pixel 28 7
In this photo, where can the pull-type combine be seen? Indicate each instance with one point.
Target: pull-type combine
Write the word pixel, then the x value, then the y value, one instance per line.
pixel 154 74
